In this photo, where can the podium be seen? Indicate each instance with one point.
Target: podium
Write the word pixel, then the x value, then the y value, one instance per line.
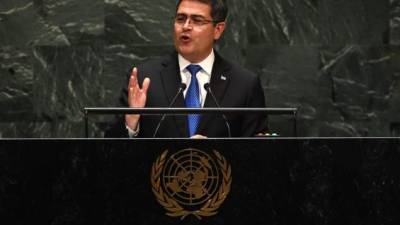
pixel 264 181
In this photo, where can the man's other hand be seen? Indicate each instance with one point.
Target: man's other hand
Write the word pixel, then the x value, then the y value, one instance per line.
pixel 198 136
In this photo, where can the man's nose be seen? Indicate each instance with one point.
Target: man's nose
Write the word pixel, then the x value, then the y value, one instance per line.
pixel 187 24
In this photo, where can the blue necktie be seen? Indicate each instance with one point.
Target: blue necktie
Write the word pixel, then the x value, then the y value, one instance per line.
pixel 192 99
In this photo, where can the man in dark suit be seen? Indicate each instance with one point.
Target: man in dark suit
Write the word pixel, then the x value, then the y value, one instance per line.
pixel 198 24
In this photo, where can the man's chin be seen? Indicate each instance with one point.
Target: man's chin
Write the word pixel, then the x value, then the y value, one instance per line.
pixel 187 54
pixel 185 50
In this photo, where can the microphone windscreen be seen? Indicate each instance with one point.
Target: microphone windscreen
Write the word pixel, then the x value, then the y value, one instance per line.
pixel 207 86
pixel 183 86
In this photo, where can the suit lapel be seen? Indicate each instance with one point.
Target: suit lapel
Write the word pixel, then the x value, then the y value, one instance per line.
pixel 220 79
pixel 171 79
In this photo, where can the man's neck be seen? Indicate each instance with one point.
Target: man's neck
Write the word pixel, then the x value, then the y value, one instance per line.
pixel 196 60
pixel 206 63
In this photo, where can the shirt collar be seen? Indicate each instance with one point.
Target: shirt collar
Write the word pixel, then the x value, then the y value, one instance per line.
pixel 206 64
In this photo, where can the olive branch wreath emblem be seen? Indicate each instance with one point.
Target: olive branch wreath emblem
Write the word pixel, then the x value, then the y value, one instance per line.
pixel 173 208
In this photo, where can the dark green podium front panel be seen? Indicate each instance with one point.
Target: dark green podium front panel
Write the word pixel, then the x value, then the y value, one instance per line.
pixel 267 181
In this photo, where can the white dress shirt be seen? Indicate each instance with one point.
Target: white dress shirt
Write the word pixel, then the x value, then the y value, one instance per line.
pixel 203 76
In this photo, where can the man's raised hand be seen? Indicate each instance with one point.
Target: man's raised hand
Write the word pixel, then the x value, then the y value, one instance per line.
pixel 136 98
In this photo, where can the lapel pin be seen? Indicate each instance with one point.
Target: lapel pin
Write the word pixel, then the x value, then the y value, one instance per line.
pixel 223 77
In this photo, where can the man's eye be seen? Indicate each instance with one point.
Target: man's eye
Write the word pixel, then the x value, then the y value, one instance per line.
pixel 181 19
pixel 197 20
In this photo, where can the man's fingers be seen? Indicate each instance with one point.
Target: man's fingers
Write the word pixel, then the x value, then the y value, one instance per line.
pixel 130 92
pixel 133 79
pixel 130 95
pixel 145 85
pixel 134 90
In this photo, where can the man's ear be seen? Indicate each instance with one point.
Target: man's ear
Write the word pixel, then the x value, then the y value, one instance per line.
pixel 219 29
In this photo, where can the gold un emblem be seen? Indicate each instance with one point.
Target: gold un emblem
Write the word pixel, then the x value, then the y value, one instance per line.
pixel 191 182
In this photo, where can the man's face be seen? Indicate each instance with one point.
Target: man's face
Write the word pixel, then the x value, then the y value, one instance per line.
pixel 194 37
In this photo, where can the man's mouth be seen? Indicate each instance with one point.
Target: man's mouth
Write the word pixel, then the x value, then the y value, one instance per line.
pixel 185 38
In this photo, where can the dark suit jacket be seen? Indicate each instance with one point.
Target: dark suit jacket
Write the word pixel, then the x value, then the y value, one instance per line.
pixel 232 85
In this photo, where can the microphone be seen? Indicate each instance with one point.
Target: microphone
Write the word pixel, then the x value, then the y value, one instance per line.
pixel 182 87
pixel 208 89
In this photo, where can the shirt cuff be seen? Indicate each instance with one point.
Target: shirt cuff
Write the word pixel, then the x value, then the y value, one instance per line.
pixel 132 133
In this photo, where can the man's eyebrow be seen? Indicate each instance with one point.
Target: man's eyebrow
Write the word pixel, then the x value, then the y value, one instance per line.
pixel 191 15
pixel 196 15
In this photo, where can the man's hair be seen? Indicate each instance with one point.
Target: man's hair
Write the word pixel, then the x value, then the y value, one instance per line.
pixel 219 9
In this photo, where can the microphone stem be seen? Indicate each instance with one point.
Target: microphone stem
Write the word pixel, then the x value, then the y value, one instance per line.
pixel 183 87
pixel 223 115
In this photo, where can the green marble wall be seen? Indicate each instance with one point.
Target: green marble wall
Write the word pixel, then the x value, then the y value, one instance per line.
pixel 338 61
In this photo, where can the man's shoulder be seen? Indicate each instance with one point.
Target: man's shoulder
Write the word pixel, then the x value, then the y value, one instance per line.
pixel 234 67
pixel 152 64
pixel 239 72
pixel 239 69
pixel 157 63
